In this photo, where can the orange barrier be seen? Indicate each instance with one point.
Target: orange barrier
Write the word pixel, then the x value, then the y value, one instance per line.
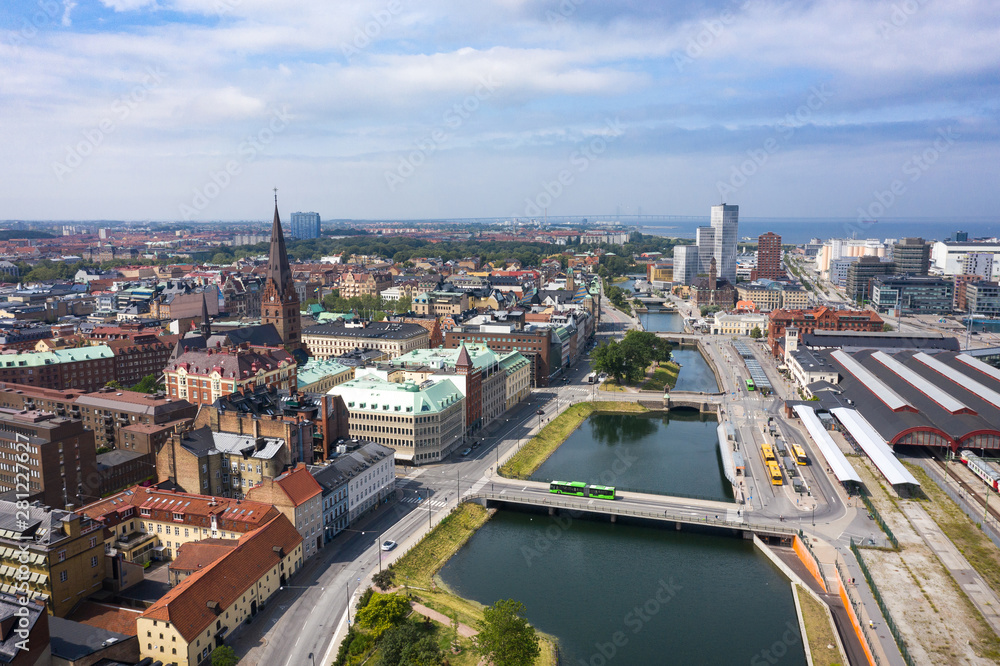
pixel 809 561
pixel 855 621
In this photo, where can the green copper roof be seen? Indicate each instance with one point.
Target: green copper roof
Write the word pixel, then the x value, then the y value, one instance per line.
pixel 317 369
pixel 370 394
pixel 34 359
pixel 482 357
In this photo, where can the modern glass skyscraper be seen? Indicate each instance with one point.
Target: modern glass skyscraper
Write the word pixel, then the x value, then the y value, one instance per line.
pixel 305 225
pixel 705 240
pixel 725 224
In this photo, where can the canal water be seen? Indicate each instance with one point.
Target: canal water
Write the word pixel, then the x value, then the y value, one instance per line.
pixel 629 595
pixel 666 454
pixel 695 373
pixel 662 322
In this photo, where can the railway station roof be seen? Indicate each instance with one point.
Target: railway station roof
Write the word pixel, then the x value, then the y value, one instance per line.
pixel 875 446
pixel 941 399
pixel 835 458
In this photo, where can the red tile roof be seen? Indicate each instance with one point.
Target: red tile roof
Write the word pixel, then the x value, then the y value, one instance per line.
pixel 299 485
pixel 223 581
pixel 196 555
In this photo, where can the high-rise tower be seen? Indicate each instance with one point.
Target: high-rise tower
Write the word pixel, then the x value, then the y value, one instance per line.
pixel 725 223
pixel 280 303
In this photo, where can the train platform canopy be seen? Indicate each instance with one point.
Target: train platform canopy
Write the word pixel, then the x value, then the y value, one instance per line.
pixel 835 458
pixel 876 448
pixel 919 398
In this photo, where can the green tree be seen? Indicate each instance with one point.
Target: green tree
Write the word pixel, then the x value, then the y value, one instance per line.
pixel 383 612
pixel 505 638
pixel 115 384
pixel 610 358
pixel 408 645
pixel 224 655
pixel 385 578
pixel 221 258
pixel 147 384
pixel 404 304
pixel 756 333
pixel 887 327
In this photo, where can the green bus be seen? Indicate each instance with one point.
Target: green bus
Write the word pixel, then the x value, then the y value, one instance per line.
pixel 581 489
pixel 601 492
pixel 750 385
pixel 577 488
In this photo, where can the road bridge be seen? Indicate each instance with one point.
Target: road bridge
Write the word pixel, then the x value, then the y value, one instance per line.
pixel 672 511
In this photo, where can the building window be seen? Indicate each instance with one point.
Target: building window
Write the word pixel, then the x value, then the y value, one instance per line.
pixel 93 561
pixel 63 576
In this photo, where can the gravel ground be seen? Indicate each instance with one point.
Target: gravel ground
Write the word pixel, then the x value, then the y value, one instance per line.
pixel 937 621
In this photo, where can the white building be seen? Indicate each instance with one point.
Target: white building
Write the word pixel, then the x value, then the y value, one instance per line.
pixel 739 324
pixel 685 264
pixel 725 223
pixel 372 473
pixel 948 258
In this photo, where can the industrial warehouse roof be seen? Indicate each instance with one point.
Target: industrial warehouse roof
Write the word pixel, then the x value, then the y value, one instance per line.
pixel 375 395
pixel 947 395
pixel 855 340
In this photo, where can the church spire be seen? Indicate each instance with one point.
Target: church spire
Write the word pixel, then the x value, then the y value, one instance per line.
pixel 206 327
pixel 277 263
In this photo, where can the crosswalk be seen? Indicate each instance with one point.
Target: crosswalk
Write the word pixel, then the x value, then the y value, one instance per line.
pixel 414 500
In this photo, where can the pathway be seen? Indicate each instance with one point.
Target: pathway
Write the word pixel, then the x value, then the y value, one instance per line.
pixel 967 578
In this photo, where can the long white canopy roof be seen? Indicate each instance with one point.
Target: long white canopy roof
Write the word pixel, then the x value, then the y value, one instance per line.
pixel 835 458
pixel 874 445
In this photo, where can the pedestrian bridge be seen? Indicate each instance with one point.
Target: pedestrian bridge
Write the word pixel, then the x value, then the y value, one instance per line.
pixel 675 512
pixel 703 402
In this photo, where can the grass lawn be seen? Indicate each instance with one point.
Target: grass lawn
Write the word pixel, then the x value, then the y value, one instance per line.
pixel 611 386
pixel 819 631
pixel 418 568
pixel 664 377
pixel 541 446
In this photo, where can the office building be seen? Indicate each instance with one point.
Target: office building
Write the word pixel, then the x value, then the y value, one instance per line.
pixel 860 275
pixel 913 294
pixel 725 226
pixel 978 263
pixel 685 264
pixel 911 256
pixel 705 242
pixel 983 298
pixel 339 338
pixel 305 225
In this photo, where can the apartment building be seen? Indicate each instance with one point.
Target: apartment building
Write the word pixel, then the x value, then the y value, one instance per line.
pixel 63 550
pixel 85 368
pixel 205 375
pixel 147 524
pixel 298 496
pixel 56 454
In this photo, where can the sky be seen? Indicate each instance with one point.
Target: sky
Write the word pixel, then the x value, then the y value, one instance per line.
pixel 398 109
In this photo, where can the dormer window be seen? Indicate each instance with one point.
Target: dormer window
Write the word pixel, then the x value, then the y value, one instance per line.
pixel 144 512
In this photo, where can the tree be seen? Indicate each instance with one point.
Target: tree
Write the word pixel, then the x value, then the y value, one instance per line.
pixel 383 612
pixel 114 384
pixel 505 638
pixel 385 578
pixel 756 333
pixel 887 327
pixel 224 656
pixel 408 645
pixel 147 384
pixel 404 304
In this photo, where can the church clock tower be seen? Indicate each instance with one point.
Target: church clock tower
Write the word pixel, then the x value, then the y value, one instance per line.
pixel 279 302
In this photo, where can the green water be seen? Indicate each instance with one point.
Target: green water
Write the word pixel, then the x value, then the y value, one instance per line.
pixel 675 454
pixel 632 595
pixel 695 373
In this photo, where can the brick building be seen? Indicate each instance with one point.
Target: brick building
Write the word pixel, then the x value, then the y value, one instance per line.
pixel 56 453
pixel 818 319
pixel 768 258
pixel 139 357
pixel 112 414
pixel 534 343
pixel 85 368
pixel 205 375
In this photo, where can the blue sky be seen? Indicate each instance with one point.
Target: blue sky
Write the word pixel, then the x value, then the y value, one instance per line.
pixel 195 109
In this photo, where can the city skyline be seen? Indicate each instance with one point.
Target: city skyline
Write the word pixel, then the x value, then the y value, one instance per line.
pixel 133 109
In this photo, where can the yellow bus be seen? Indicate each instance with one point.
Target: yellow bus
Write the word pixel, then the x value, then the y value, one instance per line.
pixel 768 452
pixel 775 472
pixel 800 455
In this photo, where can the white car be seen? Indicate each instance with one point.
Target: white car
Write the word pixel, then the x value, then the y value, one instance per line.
pixel 388 545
